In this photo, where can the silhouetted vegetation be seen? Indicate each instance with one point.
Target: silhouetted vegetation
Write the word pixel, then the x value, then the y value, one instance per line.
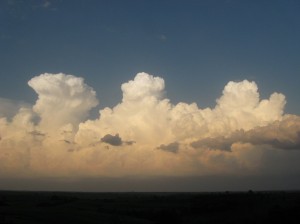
pixel 155 208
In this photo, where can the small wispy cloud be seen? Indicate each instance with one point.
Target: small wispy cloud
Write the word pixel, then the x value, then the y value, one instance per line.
pixel 46 4
pixel 161 37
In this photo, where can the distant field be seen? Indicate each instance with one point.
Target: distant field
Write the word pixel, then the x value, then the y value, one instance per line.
pixel 223 207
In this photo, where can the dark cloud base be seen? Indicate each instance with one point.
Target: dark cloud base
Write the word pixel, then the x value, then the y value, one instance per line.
pixel 279 135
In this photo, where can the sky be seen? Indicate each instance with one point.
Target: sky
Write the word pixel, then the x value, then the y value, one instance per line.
pixel 140 95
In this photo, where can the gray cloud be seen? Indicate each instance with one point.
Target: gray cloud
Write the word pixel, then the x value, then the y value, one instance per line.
pixel 217 143
pixel 283 134
pixel 115 140
pixel 112 139
pixel 36 133
pixel 128 142
pixel 172 147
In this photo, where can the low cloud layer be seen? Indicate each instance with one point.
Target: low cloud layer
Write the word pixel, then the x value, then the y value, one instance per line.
pixel 284 134
pixel 147 134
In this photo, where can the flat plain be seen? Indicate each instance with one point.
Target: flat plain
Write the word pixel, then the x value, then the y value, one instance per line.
pixel 136 207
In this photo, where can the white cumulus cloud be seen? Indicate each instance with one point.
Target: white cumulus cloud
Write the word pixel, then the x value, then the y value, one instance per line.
pixel 62 99
pixel 145 134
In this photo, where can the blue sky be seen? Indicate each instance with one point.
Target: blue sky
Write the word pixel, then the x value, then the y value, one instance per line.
pixel 133 55
pixel 196 46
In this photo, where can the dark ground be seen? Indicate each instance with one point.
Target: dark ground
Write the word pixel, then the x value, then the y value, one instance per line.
pixel 223 207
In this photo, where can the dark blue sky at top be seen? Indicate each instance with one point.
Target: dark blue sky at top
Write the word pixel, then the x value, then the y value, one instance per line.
pixel 197 46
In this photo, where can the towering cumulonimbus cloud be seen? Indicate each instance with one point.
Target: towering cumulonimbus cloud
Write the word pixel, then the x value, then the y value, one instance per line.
pixel 238 108
pixel 145 134
pixel 141 116
pixel 62 99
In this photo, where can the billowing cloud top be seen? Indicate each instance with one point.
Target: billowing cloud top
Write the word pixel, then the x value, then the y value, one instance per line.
pixel 62 99
pixel 143 86
pixel 242 133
